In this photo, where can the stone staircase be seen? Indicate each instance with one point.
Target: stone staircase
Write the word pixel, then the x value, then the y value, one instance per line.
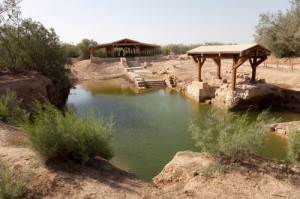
pixel 155 83
pixel 136 73
pixel 133 64
pixel 139 82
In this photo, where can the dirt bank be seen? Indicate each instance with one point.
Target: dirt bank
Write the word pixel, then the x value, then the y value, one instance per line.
pixel 186 176
pixel 30 86
pixel 69 180
pixel 193 175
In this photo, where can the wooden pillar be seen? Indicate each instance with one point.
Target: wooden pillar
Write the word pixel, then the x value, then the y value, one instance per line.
pixel 233 74
pixel 254 62
pixel 218 63
pixel 200 62
pixel 237 62
pixel 91 54
pixel 253 77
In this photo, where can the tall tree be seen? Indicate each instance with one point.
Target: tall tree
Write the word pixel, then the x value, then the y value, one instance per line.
pixel 9 33
pixel 82 48
pixel 280 32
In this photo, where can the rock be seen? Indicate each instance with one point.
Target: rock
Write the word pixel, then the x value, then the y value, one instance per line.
pixel 207 101
pixel 164 72
pixel 261 81
pixel 281 131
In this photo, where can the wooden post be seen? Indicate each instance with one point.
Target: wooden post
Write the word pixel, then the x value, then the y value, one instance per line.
pixel 254 63
pixel 200 62
pixel 91 54
pixel 253 66
pixel 253 73
pixel 233 73
pixel 218 63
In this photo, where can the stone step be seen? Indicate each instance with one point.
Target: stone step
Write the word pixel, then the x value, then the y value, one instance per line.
pixel 155 83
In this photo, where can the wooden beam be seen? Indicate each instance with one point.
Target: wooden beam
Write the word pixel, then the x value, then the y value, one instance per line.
pixel 217 56
pixel 200 64
pixel 254 63
pixel 233 74
pixel 195 59
pixel 237 62
pixel 218 63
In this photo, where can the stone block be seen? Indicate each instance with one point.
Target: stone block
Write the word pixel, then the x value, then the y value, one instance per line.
pixel 200 85
pixel 198 91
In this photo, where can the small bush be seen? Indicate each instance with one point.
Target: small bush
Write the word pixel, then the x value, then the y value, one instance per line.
pixel 10 111
pixel 294 147
pixel 11 184
pixel 230 135
pixel 57 135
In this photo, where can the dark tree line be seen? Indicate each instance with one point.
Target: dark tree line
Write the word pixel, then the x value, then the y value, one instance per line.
pixel 280 32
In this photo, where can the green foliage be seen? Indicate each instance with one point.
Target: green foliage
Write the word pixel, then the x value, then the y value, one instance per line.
pixel 25 44
pixel 177 48
pixel 71 50
pixel 42 51
pixel 281 32
pixel 9 41
pixel 11 184
pixel 230 135
pixel 294 147
pixel 57 135
pixel 82 48
pixel 10 111
pixel 182 49
pixel 100 53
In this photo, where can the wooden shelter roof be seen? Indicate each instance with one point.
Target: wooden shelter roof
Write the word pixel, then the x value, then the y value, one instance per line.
pixel 248 50
pixel 123 43
pixel 255 53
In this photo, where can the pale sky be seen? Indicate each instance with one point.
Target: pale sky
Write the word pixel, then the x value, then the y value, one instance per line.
pixel 152 21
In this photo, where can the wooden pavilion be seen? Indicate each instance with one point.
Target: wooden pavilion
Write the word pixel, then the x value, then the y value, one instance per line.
pixel 255 53
pixel 126 48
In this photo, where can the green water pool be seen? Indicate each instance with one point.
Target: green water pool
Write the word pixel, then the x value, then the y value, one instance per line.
pixel 151 126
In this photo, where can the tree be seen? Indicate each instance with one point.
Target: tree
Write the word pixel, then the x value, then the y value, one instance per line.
pixel 82 48
pixel 71 50
pixel 281 32
pixel 9 33
pixel 229 135
pixel 26 44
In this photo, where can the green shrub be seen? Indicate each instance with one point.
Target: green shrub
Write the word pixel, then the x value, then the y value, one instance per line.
pixel 57 135
pixel 294 147
pixel 11 184
pixel 10 111
pixel 230 135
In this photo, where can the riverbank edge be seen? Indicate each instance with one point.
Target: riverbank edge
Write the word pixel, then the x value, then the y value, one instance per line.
pixel 184 176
